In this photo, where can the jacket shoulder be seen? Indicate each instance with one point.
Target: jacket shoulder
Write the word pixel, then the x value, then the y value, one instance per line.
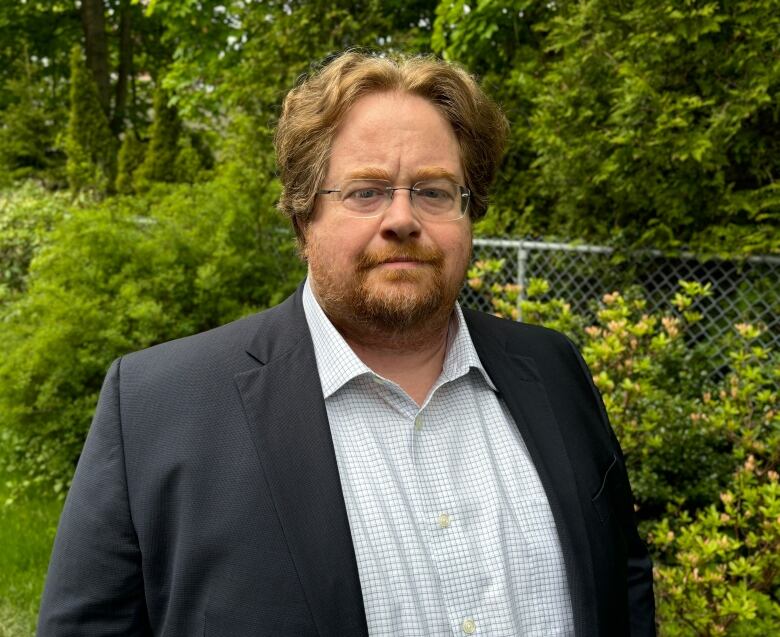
pixel 218 345
pixel 507 330
pixel 224 350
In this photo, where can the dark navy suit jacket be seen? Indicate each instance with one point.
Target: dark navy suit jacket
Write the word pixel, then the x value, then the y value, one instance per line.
pixel 207 499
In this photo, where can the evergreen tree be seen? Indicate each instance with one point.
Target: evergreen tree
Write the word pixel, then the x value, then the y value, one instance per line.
pixel 27 147
pixel 188 164
pixel 131 156
pixel 89 144
pixel 160 161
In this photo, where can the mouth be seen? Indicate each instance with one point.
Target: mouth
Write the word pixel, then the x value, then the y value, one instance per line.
pixel 402 263
pixel 401 258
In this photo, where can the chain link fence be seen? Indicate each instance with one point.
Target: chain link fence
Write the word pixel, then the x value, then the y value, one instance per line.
pixel 745 290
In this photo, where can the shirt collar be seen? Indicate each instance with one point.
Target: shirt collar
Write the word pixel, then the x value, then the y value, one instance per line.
pixel 461 355
pixel 337 364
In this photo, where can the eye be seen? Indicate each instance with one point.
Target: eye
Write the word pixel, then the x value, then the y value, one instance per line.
pixel 363 191
pixel 430 192
pixel 435 195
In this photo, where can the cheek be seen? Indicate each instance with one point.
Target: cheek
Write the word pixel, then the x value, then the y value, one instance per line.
pixel 347 248
pixel 338 242
pixel 458 246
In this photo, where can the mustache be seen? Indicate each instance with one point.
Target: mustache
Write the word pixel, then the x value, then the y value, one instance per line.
pixel 430 255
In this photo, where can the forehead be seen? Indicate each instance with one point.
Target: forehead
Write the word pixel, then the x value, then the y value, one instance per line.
pixel 398 134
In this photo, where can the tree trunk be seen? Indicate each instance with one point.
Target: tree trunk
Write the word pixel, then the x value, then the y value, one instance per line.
pixel 93 20
pixel 125 65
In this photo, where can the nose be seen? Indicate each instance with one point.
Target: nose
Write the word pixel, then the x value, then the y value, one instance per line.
pixel 399 221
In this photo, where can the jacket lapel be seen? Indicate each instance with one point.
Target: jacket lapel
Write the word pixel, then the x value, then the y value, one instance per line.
pixel 520 386
pixel 286 414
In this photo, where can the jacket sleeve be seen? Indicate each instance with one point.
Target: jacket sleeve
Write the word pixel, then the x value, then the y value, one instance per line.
pixel 641 600
pixel 94 584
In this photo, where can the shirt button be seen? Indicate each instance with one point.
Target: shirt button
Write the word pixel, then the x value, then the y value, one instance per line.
pixel 418 423
pixel 469 627
pixel 444 521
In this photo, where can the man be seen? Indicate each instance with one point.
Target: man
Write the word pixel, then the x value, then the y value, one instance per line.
pixel 365 458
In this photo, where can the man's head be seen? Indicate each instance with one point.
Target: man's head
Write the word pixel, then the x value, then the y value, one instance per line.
pixel 381 265
pixel 314 110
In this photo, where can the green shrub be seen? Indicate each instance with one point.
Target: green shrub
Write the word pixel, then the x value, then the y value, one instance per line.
pixel 718 572
pixel 118 276
pixel 27 215
pixel 535 306
pixel 633 122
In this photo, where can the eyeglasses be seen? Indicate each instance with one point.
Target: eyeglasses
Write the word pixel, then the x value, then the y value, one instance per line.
pixel 432 199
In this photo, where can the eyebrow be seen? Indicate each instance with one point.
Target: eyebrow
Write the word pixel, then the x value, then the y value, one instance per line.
pixel 434 172
pixel 427 172
pixel 368 173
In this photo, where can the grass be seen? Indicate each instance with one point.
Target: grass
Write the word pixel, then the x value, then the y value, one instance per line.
pixel 27 530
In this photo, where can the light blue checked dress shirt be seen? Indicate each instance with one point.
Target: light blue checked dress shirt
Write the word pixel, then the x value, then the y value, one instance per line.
pixel 452 530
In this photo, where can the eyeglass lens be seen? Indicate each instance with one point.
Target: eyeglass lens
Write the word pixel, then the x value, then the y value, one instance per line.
pixel 436 198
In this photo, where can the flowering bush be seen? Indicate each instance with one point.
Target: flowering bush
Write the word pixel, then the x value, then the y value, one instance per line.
pixel 702 450
pixel 718 572
pixel 536 308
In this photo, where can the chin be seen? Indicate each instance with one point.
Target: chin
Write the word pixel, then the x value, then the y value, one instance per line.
pixel 402 275
pixel 401 286
pixel 398 304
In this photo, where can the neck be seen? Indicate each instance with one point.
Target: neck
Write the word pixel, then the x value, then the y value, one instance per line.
pixel 413 358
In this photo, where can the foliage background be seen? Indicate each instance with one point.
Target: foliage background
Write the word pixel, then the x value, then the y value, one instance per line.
pixel 137 192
